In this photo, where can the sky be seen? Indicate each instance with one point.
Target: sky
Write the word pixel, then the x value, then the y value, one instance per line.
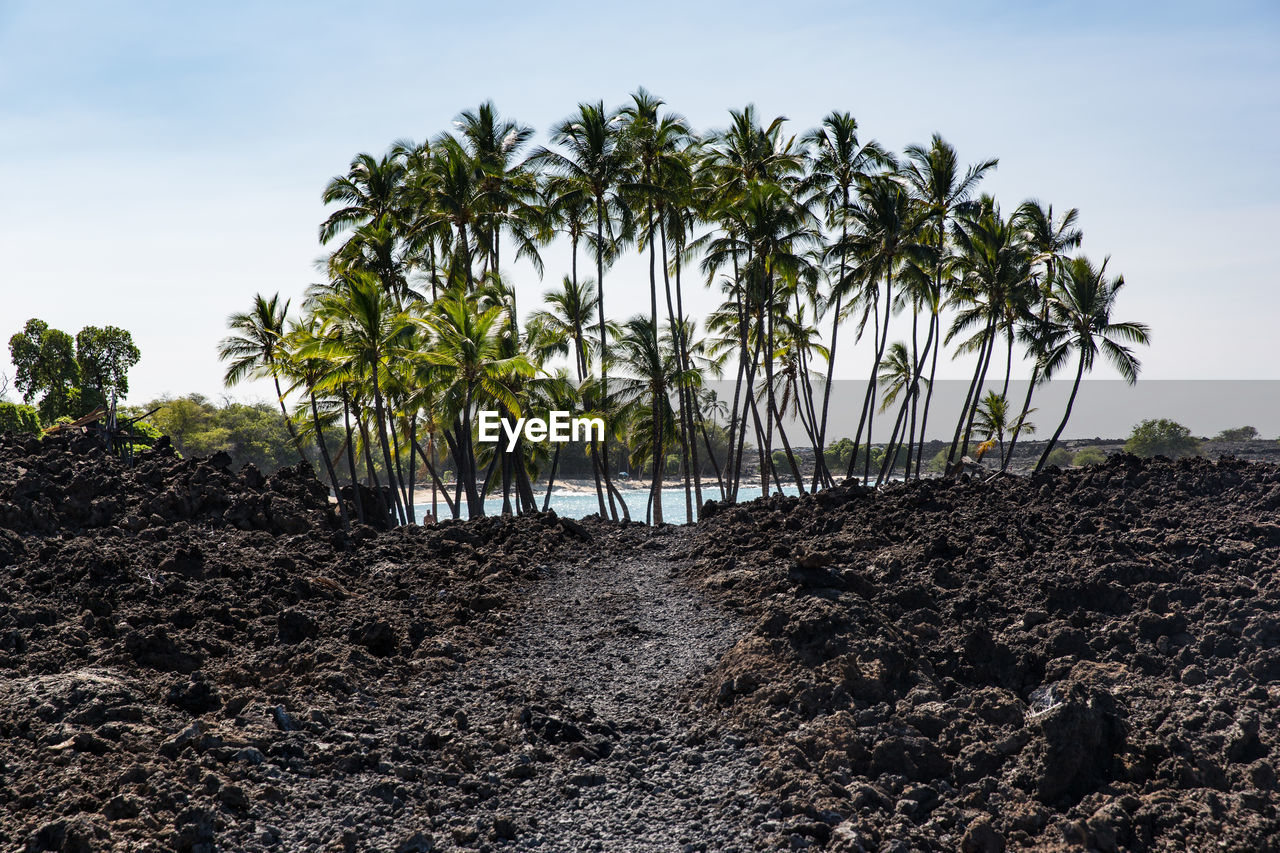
pixel 163 162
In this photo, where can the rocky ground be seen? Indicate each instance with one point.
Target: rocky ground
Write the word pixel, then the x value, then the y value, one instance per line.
pixel 197 659
pixel 1079 660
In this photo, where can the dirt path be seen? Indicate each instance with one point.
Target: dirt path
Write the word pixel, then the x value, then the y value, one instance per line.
pixel 598 664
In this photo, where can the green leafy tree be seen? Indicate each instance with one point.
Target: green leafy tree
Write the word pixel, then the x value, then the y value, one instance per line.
pixel 839 453
pixel 183 419
pixel 105 356
pixel 1244 433
pixel 47 368
pixel 1161 437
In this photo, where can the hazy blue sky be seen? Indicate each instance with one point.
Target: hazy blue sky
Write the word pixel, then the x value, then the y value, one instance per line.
pixel 164 161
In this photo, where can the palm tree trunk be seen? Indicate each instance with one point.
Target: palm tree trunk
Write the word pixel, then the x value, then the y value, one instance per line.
pixel 454 445
pixel 380 414
pixel 891 449
pixel 604 349
pixel 706 442
pixel 655 409
pixel 786 447
pixel 551 480
pixel 766 320
pixel 328 463
pixel 435 483
pixel 1022 417
pixel 1071 401
pixel 351 457
pixel 1008 365
pixel 677 340
pixel 982 379
pixel 868 399
pixel 413 469
pixel 475 502
pixel 406 512
pixel 465 249
pixel 934 329
pixel 831 355
pixel 372 473
pixel 868 403
pixel 732 466
pixel 524 486
pixel 918 372
pixel 288 421
pixel 805 409
pixel 690 398
pixel 582 370
pixel 969 400
pixel 915 382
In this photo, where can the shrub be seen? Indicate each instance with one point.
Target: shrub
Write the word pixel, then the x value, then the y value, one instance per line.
pixel 1060 457
pixel 838 454
pixel 1089 456
pixel 17 417
pixel 1161 437
pixel 1244 433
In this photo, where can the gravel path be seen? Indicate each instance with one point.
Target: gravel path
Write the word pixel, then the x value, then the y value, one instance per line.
pixel 607 651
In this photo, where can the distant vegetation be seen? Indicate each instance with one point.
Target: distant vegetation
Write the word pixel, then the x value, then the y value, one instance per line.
pixel 1059 456
pixel 1089 456
pixel 249 432
pixel 1244 433
pixel 1161 437
pixel 18 417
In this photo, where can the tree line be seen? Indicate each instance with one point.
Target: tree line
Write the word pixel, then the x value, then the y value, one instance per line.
pixel 416 328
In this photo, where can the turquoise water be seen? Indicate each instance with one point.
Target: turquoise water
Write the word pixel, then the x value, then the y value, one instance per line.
pixel 579 505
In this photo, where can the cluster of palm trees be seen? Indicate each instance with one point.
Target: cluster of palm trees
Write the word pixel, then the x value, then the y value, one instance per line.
pixel 416 328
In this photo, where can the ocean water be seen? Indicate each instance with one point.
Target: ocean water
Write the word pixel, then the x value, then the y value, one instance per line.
pixel 579 505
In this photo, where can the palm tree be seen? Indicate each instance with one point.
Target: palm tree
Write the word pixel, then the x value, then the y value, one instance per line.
pixel 995 294
pixel 897 376
pixel 655 143
pixel 568 312
pixel 837 162
pixel 1050 238
pixel 651 367
pixel 506 186
pixel 938 186
pixel 884 224
pixel 450 194
pixel 472 366
pixel 372 190
pixel 256 349
pixel 374 333
pixel 744 159
pixel 992 422
pixel 596 165
pixel 309 371
pixel 1082 307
